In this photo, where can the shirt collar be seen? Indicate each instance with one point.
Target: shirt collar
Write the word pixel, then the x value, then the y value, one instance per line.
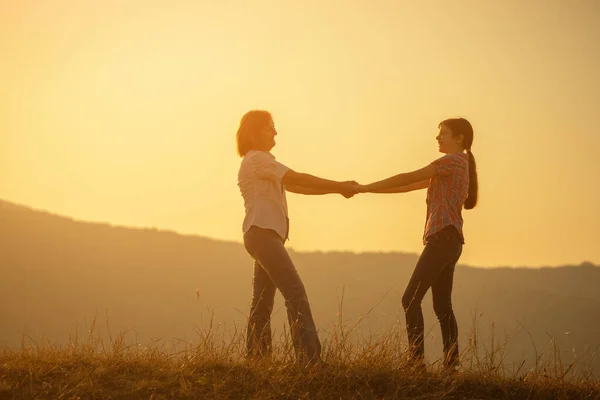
pixel 261 151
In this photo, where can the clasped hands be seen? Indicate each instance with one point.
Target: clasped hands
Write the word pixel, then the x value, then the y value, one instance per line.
pixel 350 188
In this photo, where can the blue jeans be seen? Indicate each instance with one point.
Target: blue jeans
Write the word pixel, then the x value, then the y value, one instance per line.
pixel 435 270
pixel 274 269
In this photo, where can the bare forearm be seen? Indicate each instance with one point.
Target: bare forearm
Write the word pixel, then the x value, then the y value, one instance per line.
pixel 404 189
pixel 305 190
pixel 389 185
pixel 308 181
pixel 399 189
pixel 400 180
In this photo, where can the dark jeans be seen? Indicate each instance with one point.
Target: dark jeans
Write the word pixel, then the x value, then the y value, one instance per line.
pixel 434 269
pixel 274 269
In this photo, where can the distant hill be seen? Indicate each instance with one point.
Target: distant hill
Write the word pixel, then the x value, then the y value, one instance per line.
pixel 57 273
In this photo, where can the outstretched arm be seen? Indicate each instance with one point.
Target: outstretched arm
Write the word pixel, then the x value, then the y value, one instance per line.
pixel 298 182
pixel 305 190
pixel 308 191
pixel 405 189
pixel 405 179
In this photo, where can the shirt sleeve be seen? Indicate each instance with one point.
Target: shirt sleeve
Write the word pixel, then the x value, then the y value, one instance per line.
pixel 447 165
pixel 266 167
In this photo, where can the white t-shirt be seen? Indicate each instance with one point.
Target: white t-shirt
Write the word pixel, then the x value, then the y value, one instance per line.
pixel 259 180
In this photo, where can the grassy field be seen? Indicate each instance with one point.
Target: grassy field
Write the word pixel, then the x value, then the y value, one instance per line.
pixel 213 366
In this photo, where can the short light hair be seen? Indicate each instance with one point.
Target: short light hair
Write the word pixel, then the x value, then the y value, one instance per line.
pixel 252 122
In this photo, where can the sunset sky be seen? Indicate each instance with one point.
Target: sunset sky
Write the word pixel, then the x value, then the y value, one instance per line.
pixel 125 112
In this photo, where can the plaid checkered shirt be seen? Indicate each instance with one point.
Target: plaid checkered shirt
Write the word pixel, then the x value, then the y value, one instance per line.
pixel 446 194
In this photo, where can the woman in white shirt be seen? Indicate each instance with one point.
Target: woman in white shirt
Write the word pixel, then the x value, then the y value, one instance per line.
pixel 263 182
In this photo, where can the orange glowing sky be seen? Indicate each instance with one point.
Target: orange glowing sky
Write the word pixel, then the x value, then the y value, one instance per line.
pixel 126 112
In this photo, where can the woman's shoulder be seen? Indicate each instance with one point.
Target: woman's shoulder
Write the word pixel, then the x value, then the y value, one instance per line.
pixel 454 158
pixel 451 163
pixel 256 159
pixel 258 155
pixel 251 157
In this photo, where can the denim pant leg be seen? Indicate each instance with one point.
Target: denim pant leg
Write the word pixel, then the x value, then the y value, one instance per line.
pixel 268 249
pixel 440 252
pixel 259 339
pixel 441 292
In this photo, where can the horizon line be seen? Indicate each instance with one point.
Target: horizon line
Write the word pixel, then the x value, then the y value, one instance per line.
pixel 584 263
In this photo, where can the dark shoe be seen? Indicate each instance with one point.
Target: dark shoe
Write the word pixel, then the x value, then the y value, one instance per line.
pixel 450 369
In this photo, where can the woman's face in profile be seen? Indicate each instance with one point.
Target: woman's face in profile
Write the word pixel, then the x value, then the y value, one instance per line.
pixel 447 141
pixel 267 136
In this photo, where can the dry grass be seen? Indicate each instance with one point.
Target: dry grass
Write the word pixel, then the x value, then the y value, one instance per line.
pixel 214 367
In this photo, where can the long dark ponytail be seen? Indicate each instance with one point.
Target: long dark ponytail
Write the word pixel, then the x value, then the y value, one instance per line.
pixel 460 126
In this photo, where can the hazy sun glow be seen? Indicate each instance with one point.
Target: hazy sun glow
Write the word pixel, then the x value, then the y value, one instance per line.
pixel 125 112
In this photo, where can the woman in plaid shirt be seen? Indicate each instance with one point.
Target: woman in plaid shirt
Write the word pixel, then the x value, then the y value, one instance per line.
pixel 451 183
